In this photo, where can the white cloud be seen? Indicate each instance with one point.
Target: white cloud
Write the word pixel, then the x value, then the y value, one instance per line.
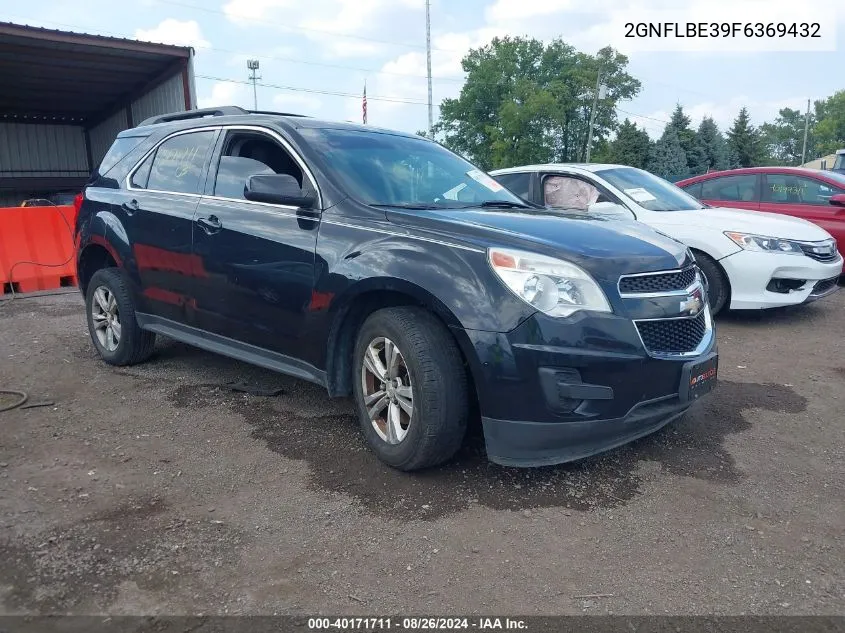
pixel 176 32
pixel 326 22
pixel 504 11
pixel 248 12
pixel 299 102
pixel 226 93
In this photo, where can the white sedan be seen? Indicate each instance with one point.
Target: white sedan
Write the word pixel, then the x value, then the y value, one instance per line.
pixel 751 260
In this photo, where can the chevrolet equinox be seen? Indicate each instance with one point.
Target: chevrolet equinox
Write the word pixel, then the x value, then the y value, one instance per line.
pixel 381 265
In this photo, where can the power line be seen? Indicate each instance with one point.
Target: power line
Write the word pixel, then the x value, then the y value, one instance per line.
pixel 293 60
pixel 246 18
pixel 315 91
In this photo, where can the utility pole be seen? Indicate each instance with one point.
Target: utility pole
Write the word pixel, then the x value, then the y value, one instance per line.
pixel 600 92
pixel 806 129
pixel 252 65
pixel 428 62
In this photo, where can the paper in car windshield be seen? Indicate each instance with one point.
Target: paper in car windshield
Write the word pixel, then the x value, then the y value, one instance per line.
pixel 639 194
pixel 484 179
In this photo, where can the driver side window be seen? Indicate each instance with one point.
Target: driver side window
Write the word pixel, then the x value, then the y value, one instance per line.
pixel 248 154
pixel 566 192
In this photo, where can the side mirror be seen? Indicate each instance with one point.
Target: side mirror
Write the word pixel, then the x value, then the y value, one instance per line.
pixel 838 200
pixel 611 210
pixel 277 189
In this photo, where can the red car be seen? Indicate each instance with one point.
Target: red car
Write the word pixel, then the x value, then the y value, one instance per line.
pixel 814 195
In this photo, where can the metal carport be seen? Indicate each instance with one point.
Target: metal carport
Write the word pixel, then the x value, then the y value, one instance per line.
pixel 64 96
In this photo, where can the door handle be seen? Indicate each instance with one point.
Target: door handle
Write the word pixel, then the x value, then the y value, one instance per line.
pixel 130 207
pixel 211 224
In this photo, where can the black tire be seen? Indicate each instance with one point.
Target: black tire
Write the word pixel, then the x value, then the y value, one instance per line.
pixel 717 282
pixel 438 383
pixel 134 344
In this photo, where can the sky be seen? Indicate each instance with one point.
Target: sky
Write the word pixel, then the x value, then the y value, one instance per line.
pixel 316 55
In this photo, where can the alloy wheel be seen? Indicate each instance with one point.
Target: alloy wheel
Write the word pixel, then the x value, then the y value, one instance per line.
pixel 106 318
pixel 388 392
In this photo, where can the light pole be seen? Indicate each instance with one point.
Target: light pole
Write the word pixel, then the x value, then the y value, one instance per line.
pixel 601 91
pixel 806 129
pixel 428 61
pixel 252 65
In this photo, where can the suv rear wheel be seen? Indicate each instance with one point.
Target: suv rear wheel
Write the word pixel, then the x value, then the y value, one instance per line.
pixel 410 388
pixel 111 319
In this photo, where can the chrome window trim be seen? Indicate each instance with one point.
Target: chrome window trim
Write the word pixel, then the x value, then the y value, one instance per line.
pixel 412 237
pixel 706 340
pixel 225 128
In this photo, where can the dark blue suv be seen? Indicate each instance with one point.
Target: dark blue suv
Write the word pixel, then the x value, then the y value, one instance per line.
pixel 381 265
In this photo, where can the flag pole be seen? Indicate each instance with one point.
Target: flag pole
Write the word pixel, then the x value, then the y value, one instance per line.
pixel 364 104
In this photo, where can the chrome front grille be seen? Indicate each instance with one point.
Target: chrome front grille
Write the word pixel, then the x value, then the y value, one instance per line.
pixel 825 251
pixel 657 283
pixel 673 336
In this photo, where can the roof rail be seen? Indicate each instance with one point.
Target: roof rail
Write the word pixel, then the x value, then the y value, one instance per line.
pixel 305 116
pixel 193 114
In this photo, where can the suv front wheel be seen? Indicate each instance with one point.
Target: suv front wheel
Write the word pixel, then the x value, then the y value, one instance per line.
pixel 410 388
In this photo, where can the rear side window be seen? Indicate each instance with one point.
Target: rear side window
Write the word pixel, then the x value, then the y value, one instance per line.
pixel 178 163
pixel 142 174
pixel 731 189
pixel 694 190
pixel 785 188
pixel 118 151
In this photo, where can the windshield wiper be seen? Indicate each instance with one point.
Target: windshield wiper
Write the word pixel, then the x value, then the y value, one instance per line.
pixel 404 205
pixel 502 204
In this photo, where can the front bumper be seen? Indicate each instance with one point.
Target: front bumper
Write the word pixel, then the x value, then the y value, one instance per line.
pixel 557 390
pixel 750 274
pixel 517 443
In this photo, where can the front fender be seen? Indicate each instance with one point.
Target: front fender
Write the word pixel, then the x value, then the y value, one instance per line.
pixel 457 282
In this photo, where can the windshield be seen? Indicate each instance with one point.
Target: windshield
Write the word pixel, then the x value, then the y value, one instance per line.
pixel 649 191
pixel 390 170
pixel 839 163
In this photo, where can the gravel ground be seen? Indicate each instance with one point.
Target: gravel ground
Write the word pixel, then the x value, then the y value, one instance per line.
pixel 156 489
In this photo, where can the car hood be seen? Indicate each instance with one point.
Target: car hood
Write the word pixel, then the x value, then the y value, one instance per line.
pixel 605 248
pixel 759 222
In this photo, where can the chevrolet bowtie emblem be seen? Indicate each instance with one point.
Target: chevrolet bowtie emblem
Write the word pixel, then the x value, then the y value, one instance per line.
pixel 692 304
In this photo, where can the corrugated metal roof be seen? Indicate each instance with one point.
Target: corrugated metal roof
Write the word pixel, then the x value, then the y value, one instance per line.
pixel 56 76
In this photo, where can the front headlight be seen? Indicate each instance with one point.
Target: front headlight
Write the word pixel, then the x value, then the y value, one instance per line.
pixel 553 286
pixel 763 244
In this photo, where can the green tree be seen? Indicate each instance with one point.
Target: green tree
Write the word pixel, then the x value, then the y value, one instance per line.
pixel 667 158
pixel 744 141
pixel 783 140
pixel 710 150
pixel 829 131
pixel 630 147
pixel 527 102
pixel 680 122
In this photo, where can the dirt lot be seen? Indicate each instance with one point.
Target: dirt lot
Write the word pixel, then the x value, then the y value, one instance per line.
pixel 156 489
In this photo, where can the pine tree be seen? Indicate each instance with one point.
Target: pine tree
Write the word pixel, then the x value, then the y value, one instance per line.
pixel 710 150
pixel 667 158
pixel 744 141
pixel 680 122
pixel 630 147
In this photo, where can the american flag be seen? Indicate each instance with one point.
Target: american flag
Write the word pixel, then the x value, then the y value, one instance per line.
pixel 364 104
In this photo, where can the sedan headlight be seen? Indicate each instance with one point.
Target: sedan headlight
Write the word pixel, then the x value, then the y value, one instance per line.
pixel 553 286
pixel 763 244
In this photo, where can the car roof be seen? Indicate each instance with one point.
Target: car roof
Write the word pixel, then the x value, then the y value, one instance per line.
pixel 774 169
pixel 588 167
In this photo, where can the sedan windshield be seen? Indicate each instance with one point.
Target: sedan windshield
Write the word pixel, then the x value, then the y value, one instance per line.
pixel 384 169
pixel 649 191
